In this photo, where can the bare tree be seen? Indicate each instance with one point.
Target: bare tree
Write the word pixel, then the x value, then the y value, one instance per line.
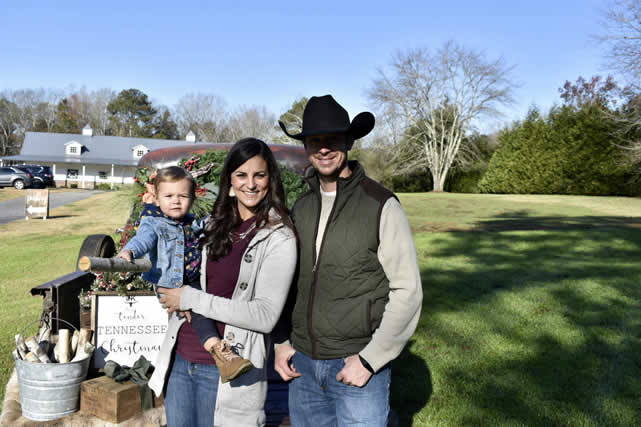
pixel 204 114
pixel 9 116
pixel 48 107
pixel 91 108
pixel 99 116
pixel 432 99
pixel 622 37
pixel 25 100
pixel 255 121
pixel 20 114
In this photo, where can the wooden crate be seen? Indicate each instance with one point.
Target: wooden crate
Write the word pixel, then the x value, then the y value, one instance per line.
pixel 111 401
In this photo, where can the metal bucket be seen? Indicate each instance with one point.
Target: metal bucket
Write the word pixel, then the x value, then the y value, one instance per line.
pixel 50 390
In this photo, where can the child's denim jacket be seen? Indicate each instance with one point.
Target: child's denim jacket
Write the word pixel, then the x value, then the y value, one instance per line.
pixel 163 241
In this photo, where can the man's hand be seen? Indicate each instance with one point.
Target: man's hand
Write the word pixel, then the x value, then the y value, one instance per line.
pixel 170 298
pixel 354 373
pixel 126 254
pixel 282 362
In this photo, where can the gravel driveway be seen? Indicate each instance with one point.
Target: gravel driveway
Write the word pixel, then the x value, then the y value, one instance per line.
pixel 11 210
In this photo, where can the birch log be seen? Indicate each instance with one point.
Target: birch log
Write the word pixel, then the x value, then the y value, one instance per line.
pixel 63 347
pixel 74 341
pixel 30 357
pixel 34 347
pixel 87 263
pixel 21 346
pixel 83 352
pixel 84 337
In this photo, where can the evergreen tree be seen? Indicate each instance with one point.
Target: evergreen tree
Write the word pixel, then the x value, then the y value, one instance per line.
pixel 164 126
pixel 66 119
pixel 131 114
pixel 293 120
pixel 569 152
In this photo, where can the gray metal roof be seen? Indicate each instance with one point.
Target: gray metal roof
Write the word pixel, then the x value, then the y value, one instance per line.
pixel 117 150
pixel 77 159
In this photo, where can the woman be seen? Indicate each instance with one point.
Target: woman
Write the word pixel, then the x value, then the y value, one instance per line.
pixel 248 261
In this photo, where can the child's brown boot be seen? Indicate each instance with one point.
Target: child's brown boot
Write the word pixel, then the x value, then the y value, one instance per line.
pixel 229 363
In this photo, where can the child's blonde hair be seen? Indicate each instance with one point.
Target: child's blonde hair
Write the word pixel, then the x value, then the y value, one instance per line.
pixel 173 174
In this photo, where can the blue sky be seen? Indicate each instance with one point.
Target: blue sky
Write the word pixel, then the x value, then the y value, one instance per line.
pixel 271 53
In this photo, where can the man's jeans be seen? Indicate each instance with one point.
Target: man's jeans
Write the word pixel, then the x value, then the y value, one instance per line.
pixel 316 399
pixel 190 399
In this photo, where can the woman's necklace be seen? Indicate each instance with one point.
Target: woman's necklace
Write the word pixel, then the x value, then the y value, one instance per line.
pixel 237 237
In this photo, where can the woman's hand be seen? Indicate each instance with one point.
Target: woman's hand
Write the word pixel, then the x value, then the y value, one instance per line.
pixel 170 298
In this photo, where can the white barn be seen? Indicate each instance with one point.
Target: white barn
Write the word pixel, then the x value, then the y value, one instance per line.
pixel 86 160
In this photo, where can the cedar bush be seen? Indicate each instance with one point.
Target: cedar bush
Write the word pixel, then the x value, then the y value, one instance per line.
pixel 412 183
pixel 211 164
pixel 569 152
pixel 378 166
pixel 465 181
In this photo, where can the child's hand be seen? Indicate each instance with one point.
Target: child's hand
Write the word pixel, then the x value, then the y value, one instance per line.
pixel 186 314
pixel 125 254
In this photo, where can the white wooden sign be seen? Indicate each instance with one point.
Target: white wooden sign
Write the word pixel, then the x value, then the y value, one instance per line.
pixel 126 327
pixel 36 204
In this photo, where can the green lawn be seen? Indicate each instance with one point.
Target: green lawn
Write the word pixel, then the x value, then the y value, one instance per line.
pixel 37 251
pixel 531 312
pixel 531 309
pixel 9 193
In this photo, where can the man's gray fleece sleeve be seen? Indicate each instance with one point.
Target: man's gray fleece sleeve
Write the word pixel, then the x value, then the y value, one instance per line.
pixel 397 255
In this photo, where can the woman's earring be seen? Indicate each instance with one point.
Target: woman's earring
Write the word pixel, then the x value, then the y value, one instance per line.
pixel 232 193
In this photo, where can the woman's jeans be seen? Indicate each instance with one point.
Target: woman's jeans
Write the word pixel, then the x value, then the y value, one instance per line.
pixel 190 399
pixel 316 399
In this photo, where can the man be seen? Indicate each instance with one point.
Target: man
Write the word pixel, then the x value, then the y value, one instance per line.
pixel 358 291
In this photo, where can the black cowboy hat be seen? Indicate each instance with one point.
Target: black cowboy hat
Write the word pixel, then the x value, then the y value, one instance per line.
pixel 323 115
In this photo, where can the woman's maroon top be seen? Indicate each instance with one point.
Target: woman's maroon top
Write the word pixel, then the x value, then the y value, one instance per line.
pixel 222 276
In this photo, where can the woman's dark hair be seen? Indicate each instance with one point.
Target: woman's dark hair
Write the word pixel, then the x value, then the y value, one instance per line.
pixel 225 216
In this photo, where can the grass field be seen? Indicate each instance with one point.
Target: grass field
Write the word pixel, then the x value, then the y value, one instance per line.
pixel 531 310
pixel 37 251
pixel 10 193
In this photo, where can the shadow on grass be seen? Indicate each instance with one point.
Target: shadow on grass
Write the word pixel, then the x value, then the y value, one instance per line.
pixel 563 301
pixel 521 221
pixel 411 386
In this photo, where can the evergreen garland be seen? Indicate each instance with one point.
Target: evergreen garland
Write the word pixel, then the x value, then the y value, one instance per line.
pixel 206 168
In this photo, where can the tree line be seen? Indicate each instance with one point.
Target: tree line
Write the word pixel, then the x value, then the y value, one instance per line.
pixel 130 113
pixel 431 102
pixel 429 105
pixel 589 143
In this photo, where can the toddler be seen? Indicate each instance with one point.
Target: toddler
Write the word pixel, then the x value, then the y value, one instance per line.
pixel 168 234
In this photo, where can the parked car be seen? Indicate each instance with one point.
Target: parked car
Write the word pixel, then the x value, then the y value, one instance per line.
pixel 42 175
pixel 13 176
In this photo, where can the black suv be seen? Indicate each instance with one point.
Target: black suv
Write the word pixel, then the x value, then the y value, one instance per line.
pixel 16 177
pixel 42 176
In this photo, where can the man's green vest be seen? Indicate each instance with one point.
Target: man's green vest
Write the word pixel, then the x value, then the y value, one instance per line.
pixel 340 301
